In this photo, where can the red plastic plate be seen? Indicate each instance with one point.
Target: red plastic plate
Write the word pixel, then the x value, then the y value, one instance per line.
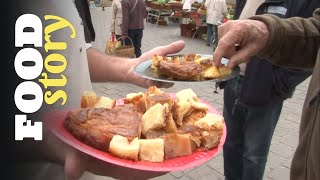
pixel 54 122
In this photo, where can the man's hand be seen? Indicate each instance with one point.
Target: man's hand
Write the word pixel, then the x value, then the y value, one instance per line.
pixel 250 37
pixel 162 50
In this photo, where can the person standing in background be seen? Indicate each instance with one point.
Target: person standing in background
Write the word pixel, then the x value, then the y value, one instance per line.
pixel 216 9
pixel 115 27
pixel 253 101
pixel 133 14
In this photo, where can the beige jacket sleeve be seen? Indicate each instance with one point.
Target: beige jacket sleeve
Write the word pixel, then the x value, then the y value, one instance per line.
pixel 224 8
pixel 113 16
pixel 293 42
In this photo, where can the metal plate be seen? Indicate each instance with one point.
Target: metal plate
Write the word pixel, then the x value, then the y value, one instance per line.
pixel 144 70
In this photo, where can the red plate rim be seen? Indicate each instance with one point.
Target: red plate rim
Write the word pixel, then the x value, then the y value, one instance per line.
pixel 54 122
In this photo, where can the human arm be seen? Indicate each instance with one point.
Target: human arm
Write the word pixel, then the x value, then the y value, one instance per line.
pixel 224 9
pixel 108 68
pixel 292 42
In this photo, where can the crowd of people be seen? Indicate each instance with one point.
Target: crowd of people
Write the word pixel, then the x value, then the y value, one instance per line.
pixel 277 48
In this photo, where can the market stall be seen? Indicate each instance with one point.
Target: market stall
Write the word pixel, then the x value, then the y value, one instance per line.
pixel 158 9
pixel 192 22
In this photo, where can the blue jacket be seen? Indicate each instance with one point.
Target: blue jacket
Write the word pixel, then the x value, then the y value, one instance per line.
pixel 264 83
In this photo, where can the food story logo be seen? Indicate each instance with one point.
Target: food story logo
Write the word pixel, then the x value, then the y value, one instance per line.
pixel 28 95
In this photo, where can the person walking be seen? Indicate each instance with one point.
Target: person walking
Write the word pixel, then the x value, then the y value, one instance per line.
pixel 216 9
pixel 133 14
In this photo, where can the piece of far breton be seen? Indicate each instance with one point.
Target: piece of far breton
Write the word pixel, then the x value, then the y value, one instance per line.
pixel 154 118
pixel 176 145
pixel 122 148
pixel 96 126
pixel 211 127
pixel 151 150
pixel 138 99
pixel 159 98
pixel 90 99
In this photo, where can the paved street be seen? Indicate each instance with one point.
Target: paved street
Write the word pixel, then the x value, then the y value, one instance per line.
pixel 285 138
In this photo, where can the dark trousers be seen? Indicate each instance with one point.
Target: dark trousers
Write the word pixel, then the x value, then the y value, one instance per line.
pixel 211 27
pixel 136 37
pixel 249 134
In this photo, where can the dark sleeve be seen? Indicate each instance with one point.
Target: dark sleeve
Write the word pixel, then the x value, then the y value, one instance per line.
pixel 293 42
pixel 125 17
pixel 84 12
pixel 145 10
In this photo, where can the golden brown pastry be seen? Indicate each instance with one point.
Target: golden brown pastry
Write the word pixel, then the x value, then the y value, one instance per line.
pixel 160 98
pixel 88 99
pixel 187 102
pixel 211 139
pixel 133 97
pixel 211 73
pixel 122 148
pixel 153 134
pixel 137 99
pixel 105 102
pixel 153 90
pixel 171 126
pixel 194 133
pixel 151 126
pixel 210 122
pixel 176 145
pixel 186 94
pixel 186 70
pixel 97 126
pixel 211 129
pixel 193 117
pixel 155 117
pixel 181 109
pixel 224 70
pixel 191 67
pixel 151 150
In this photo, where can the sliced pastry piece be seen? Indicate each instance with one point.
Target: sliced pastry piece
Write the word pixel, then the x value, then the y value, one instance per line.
pixel 151 150
pixel 155 117
pixel 176 145
pixel 122 148
pixel 97 126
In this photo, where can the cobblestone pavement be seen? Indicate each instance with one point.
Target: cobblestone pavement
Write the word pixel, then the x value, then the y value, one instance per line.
pixel 285 137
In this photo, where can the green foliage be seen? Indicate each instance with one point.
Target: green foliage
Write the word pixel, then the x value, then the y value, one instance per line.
pixel 161 1
pixel 230 17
